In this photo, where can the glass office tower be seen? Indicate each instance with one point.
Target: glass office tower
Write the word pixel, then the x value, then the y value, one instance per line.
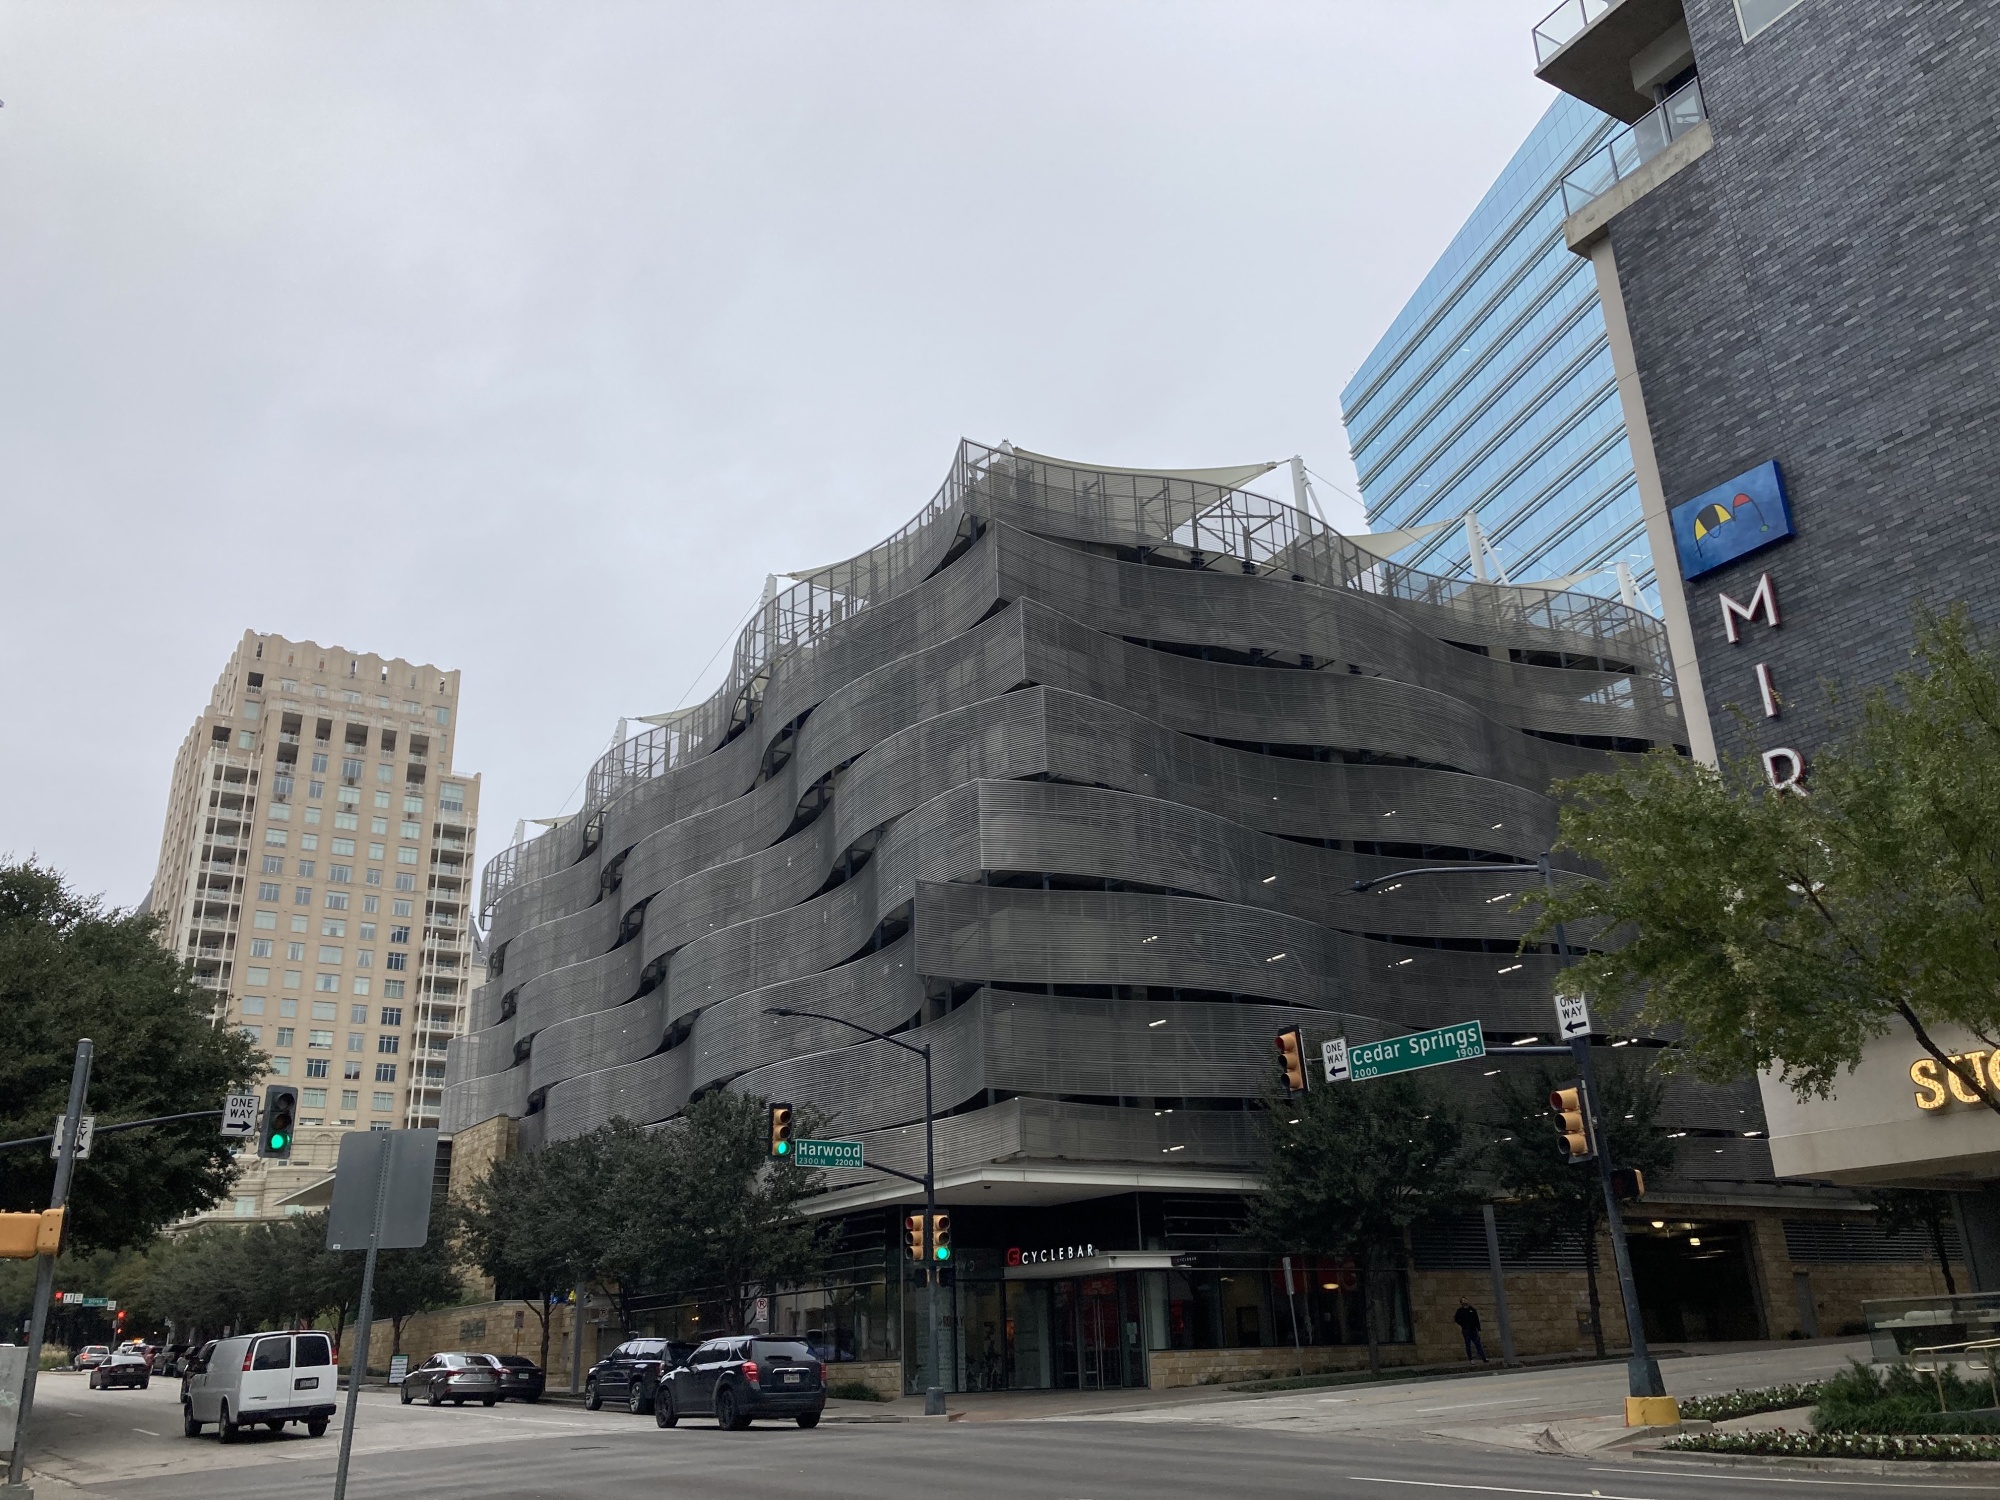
pixel 1492 391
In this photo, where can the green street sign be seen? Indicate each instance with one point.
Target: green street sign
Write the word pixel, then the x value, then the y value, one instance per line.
pixel 827 1153
pixel 1422 1049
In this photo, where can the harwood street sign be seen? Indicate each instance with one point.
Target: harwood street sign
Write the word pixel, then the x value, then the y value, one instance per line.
pixel 1403 1054
pixel 827 1153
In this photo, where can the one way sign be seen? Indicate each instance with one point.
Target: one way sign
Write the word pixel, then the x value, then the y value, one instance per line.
pixel 1572 1016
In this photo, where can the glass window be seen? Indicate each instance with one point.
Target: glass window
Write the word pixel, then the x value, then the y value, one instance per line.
pixel 451 797
pixel 308 841
pixel 384 1099
pixel 260 948
pixel 277 837
pixel 392 1015
pixel 406 882
pixel 393 988
pixel 385 774
pixel 273 1354
pixel 313 1349
pixel 307 869
pixel 285 1034
pixel 292 979
pixel 287 1006
pixel 350 1069
pixel 388 1044
pixel 368 930
pixel 400 909
pixel 295 952
pixel 269 890
pixel 302 896
pixel 329 955
pixel 315 1067
pixel 254 1033
pixel 333 927
pixel 350 1098
pixel 412 830
pixel 357 1015
pixel 406 856
pixel 267 920
pixel 382 800
pixel 377 851
pixel 253 1005
pixel 361 984
pixel 1755 15
pixel 378 825
pixel 340 874
pixel 325 1010
pixel 319 764
pixel 399 934
pixel 313 1098
pixel 442 715
pixel 350 795
pixel 278 812
pixel 312 817
pixel 364 958
pixel 371 903
pixel 317 788
pixel 345 820
pixel 385 1072
pixel 282 1066
pixel 336 900
pixel 254 973
pixel 397 961
pixel 350 770
pixel 413 807
pixel 321 1040
pixel 374 877
pixel 326 982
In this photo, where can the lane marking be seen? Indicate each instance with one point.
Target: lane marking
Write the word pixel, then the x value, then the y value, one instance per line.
pixel 1664 1471
pixel 1496 1489
pixel 148 1431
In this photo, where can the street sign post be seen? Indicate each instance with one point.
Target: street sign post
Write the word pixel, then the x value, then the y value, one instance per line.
pixel 1404 1054
pixel 239 1114
pixel 827 1153
pixel 1572 1016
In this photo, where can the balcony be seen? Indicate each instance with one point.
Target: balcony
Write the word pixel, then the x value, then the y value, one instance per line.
pixel 1630 149
pixel 1603 51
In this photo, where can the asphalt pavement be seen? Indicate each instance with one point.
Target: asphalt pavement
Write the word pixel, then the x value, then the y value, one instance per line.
pixel 1443 1439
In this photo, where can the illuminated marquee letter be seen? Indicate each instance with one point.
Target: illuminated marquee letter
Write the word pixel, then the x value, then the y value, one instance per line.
pixel 1930 1092
pixel 1765 598
pixel 1785 769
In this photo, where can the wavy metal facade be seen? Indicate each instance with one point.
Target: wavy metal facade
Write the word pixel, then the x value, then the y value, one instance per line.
pixel 1073 775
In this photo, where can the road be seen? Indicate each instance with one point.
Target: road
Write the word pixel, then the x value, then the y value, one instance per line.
pixel 1384 1443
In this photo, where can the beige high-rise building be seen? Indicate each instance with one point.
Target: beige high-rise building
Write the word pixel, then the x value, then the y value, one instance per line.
pixel 317 870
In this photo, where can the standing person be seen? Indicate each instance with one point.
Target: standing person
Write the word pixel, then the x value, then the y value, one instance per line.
pixel 1467 1319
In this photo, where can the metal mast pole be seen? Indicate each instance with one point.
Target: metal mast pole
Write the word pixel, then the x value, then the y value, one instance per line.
pixel 45 1265
pixel 1642 1370
pixel 934 1392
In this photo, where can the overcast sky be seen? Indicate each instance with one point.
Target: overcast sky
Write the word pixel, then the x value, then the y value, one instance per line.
pixel 527 338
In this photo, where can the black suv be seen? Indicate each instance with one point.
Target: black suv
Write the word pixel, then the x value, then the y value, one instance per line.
pixel 631 1373
pixel 739 1379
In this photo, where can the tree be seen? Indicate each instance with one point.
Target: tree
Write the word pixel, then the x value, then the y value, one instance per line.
pixel 1353 1166
pixel 1786 932
pixel 523 1225
pixel 731 1217
pixel 1900 1210
pixel 71 967
pixel 408 1282
pixel 1555 1201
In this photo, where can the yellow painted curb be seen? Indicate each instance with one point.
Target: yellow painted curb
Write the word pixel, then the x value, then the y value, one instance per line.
pixel 1651 1411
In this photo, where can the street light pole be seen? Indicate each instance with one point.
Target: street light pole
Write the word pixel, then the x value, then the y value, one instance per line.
pixel 1642 1370
pixel 934 1392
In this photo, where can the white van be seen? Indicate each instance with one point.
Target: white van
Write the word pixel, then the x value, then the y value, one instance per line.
pixel 273 1378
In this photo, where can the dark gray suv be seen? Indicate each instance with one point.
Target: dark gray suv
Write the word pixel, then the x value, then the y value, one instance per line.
pixel 737 1380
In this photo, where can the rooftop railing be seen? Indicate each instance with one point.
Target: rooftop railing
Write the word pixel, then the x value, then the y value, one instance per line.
pixel 1564 24
pixel 1633 147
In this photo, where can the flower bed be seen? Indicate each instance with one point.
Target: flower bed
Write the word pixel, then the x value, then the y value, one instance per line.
pixel 1741 1403
pixel 1841 1445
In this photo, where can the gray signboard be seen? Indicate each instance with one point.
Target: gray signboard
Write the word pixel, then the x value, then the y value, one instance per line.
pixel 408 1159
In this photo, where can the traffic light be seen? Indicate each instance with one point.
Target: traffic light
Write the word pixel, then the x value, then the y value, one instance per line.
pixel 1292 1048
pixel 941 1237
pixel 913 1236
pixel 1628 1184
pixel 24 1236
pixel 1574 1122
pixel 281 1114
pixel 781 1130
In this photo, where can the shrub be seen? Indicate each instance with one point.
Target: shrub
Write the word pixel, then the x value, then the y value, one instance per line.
pixel 1840 1445
pixel 1898 1399
pixel 854 1390
pixel 1742 1403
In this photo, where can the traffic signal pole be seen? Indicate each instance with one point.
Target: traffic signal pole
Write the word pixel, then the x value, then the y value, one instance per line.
pixel 1642 1370
pixel 45 1265
pixel 934 1392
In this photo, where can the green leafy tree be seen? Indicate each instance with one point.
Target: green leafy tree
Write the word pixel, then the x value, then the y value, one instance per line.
pixel 524 1225
pixel 1903 1211
pixel 202 1282
pixel 71 967
pixel 731 1219
pixel 1787 932
pixel 408 1282
pixel 1555 1202
pixel 1352 1167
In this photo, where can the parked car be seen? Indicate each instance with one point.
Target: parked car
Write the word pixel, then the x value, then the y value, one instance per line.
pixel 740 1379
pixel 521 1379
pixel 92 1355
pixel 172 1360
pixel 272 1378
pixel 457 1378
pixel 631 1373
pixel 128 1367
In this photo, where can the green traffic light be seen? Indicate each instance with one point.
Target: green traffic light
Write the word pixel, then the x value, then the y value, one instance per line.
pixel 944 1252
pixel 279 1140
pixel 783 1147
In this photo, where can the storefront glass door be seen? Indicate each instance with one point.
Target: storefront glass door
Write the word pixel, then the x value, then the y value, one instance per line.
pixel 1097 1333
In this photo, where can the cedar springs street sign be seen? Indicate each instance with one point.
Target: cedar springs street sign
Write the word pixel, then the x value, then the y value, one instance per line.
pixel 1402 1054
pixel 827 1153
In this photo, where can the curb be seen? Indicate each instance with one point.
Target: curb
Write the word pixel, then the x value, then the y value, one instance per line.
pixel 1916 1467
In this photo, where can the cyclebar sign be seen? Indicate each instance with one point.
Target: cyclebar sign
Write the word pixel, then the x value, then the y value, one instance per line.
pixel 1016 1256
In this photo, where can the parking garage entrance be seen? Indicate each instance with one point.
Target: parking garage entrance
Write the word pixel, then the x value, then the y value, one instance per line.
pixel 1695 1280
